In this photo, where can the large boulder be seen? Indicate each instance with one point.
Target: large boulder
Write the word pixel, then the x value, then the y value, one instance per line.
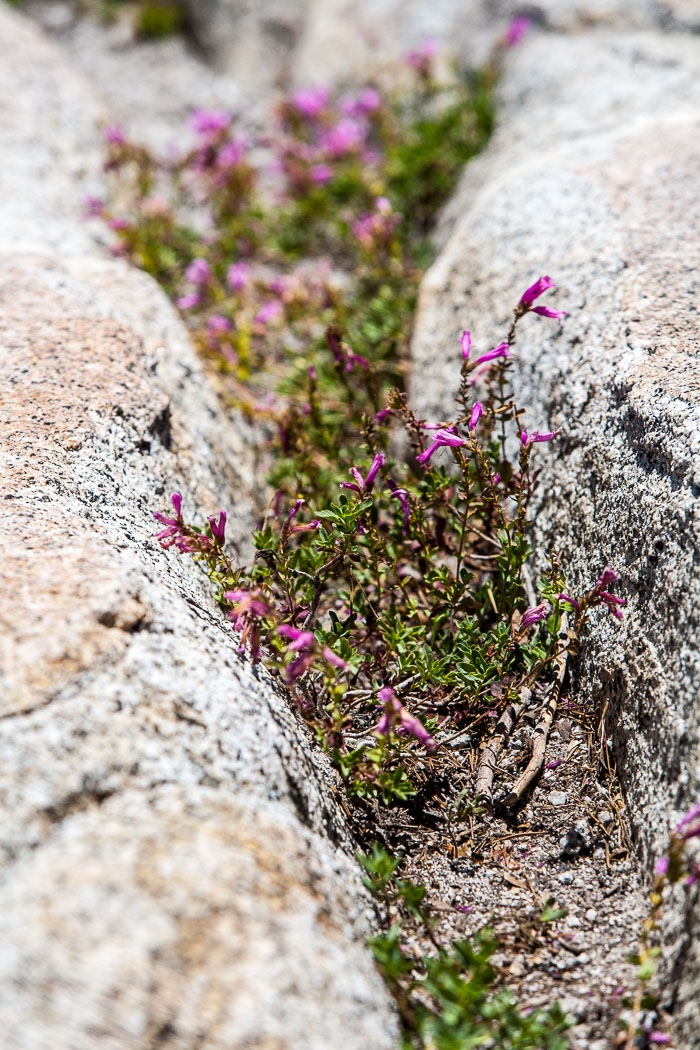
pixel 176 867
pixel 592 178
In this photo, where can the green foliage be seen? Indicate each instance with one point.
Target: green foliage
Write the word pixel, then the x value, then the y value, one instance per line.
pixel 452 999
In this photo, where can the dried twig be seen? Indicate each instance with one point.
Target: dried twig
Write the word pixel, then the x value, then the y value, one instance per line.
pixel 489 756
pixel 540 734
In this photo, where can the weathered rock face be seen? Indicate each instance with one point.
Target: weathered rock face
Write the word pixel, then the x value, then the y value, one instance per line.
pixel 592 178
pixel 175 865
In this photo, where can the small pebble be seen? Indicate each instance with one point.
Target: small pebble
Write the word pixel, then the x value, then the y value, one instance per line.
pixel 557 798
pixel 566 878
pixel 605 816
pixel 591 915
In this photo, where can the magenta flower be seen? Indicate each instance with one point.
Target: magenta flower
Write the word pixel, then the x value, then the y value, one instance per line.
pixel 440 439
pixel 420 59
pixel 232 154
pixel 93 206
pixel 541 285
pixel 466 344
pixel 477 413
pixel 299 501
pixel 237 276
pixel 502 350
pixel 659 1037
pixel 347 136
pixel 188 302
pixel 176 500
pixel 368 101
pixel 402 496
pixel 298 639
pixel 310 526
pixel 517 30
pixel 395 716
pixel 687 829
pixel 198 272
pixel 333 658
pixel 114 135
pixel 209 121
pixel 534 615
pixel 271 311
pixel 218 323
pixel 310 102
pixel 661 866
pixel 249 608
pixel 608 575
pixel 321 173
pixel 529 439
pixel 572 601
pixel 218 528
pixel 544 311
pixel 612 602
pixel 365 484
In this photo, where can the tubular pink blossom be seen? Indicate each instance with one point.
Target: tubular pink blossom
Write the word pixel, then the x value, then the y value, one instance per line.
pixel 198 272
pixel 333 658
pixel 310 526
pixel 218 528
pixel 477 413
pixel 466 344
pixel 502 350
pixel 395 716
pixel 534 615
pixel 572 601
pixel 692 815
pixel 441 438
pixel 529 439
pixel 544 311
pixel 209 121
pixel 188 302
pixel 237 275
pixel 608 575
pixel 402 496
pixel 271 311
pixel 517 30
pixel 541 285
pixel 377 463
pixel 298 638
pixel 661 866
pixel 176 500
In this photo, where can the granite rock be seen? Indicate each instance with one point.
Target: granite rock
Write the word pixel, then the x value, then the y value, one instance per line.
pixel 604 199
pixel 175 865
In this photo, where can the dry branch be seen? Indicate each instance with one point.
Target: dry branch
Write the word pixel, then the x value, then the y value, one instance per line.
pixel 540 735
pixel 489 757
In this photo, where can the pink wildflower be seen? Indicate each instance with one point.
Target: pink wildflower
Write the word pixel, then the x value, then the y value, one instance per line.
pixel 421 57
pixel 321 173
pixel 114 135
pixel 298 639
pixel 572 601
pixel 545 311
pixel 466 344
pixel 198 272
pixel 395 716
pixel 271 311
pixel 368 101
pixel 517 30
pixel 477 413
pixel 440 439
pixel 365 484
pixel 249 608
pixel 528 439
pixel 502 350
pixel 218 323
pixel 347 136
pixel 402 496
pixel 333 658
pixel 218 528
pixel 661 866
pixel 534 615
pixel 541 285
pixel 310 102
pixel 208 122
pixel 188 302
pixel 237 276
pixel 687 828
